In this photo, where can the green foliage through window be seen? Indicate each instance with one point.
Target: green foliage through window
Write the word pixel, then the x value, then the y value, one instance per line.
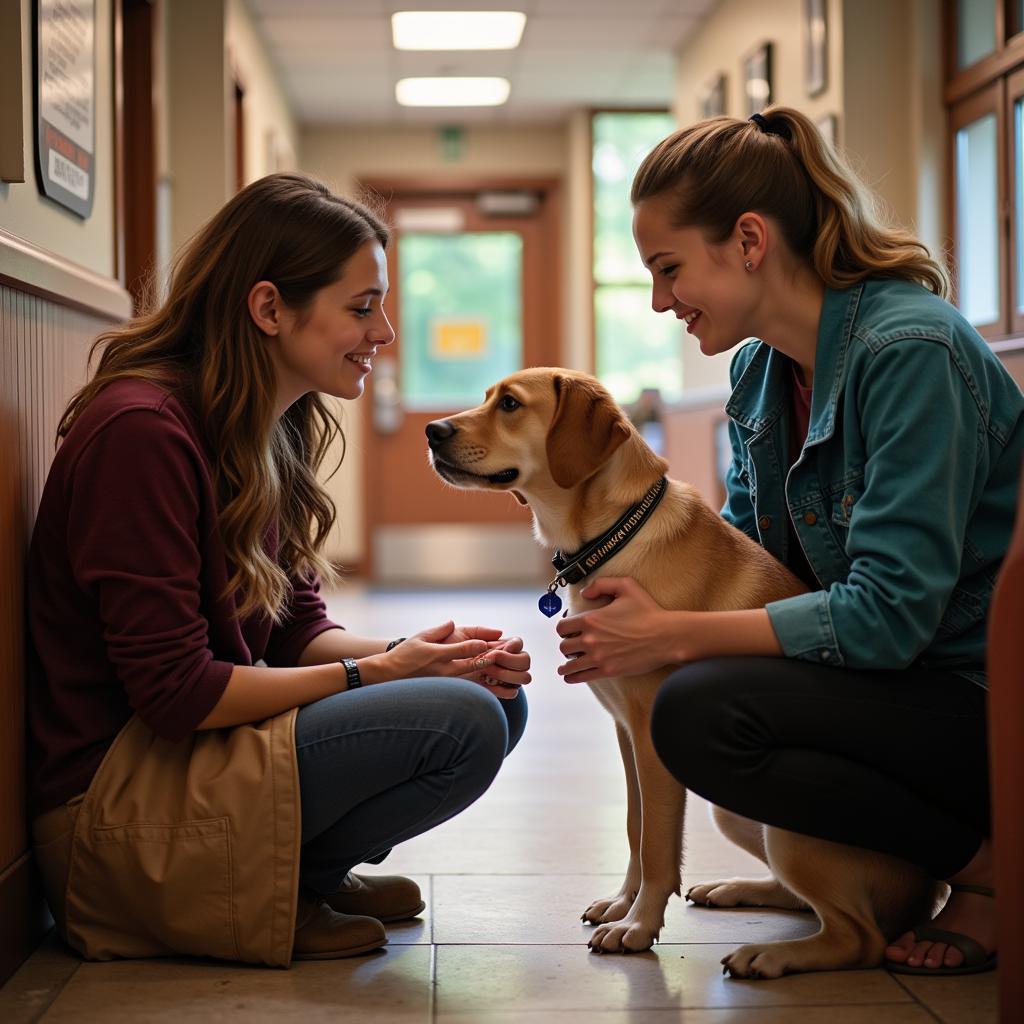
pixel 636 347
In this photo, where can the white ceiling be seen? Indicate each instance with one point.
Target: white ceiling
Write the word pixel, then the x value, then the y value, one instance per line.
pixel 337 63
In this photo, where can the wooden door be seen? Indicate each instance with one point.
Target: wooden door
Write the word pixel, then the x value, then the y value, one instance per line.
pixel 474 287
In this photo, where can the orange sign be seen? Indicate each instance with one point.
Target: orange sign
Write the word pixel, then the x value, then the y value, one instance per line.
pixel 459 339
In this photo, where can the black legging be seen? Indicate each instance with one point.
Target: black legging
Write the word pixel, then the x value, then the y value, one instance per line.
pixel 891 761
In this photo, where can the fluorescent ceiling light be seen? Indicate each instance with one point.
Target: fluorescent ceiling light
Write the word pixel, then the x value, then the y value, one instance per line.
pixel 457 30
pixel 451 92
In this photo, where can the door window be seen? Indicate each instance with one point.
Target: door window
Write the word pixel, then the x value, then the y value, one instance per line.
pixel 460 315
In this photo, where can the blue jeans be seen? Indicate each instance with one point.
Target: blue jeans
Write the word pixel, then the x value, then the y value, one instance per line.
pixel 382 764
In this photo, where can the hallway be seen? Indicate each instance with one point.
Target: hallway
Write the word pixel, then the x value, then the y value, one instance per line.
pixel 501 941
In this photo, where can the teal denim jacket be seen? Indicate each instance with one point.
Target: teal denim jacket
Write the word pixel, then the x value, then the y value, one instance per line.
pixel 904 494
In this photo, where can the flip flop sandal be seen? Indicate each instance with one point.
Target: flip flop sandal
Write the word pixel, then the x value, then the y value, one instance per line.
pixel 976 959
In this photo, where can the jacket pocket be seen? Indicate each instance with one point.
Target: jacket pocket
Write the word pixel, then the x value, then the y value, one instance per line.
pixel 844 503
pixel 963 612
pixel 160 889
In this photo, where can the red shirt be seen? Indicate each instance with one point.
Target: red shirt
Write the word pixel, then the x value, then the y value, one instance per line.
pixel 125 575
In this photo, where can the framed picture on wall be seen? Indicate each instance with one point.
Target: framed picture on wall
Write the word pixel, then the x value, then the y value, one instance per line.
pixel 757 79
pixel 713 97
pixel 815 47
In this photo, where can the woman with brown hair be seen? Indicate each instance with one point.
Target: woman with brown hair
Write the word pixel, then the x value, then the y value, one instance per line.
pixel 210 754
pixel 876 447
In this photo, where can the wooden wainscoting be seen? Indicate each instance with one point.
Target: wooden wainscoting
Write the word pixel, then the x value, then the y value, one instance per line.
pixel 43 349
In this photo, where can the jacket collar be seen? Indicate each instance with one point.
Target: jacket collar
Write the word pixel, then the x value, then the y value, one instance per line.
pixel 761 394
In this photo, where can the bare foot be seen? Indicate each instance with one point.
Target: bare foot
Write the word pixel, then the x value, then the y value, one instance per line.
pixel 968 913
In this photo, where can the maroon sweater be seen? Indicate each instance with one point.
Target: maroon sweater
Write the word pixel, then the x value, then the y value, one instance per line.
pixel 125 576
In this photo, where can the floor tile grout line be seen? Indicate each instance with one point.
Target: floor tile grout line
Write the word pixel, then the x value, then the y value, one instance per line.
pixel 709 1006
pixel 934 1014
pixel 430 895
pixel 569 1014
pixel 432 1003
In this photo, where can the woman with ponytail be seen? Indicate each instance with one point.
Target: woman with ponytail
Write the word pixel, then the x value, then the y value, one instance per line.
pixel 876 444
pixel 211 755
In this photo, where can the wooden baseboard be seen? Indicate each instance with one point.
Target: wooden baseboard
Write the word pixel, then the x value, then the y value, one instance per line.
pixel 23 913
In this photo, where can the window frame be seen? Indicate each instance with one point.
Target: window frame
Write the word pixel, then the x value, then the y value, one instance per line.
pixel 1014 94
pixel 988 100
pixel 992 84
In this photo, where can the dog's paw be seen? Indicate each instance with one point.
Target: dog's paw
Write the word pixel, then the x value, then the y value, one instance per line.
pixel 745 892
pixel 623 937
pixel 756 961
pixel 615 908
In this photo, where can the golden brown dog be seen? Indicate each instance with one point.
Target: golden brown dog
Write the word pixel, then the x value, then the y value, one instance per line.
pixel 556 440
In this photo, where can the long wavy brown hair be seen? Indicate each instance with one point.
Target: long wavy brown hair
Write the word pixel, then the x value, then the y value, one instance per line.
pixel 717 169
pixel 201 344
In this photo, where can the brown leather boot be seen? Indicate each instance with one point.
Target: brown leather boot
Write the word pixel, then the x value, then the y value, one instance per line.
pixel 386 897
pixel 323 934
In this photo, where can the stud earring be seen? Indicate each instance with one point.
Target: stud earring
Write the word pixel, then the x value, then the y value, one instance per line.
pixel 749 265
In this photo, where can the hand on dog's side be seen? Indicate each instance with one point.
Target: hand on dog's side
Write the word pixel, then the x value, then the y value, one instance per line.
pixel 628 636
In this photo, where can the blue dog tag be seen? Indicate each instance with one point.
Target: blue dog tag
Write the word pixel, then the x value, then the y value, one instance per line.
pixel 550 604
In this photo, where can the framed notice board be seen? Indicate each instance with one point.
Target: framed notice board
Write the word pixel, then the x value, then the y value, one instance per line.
pixel 65 93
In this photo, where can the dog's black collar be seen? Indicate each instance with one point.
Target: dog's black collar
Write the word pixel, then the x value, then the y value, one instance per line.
pixel 573 568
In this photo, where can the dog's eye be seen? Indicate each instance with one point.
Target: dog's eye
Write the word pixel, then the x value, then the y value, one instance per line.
pixel 509 404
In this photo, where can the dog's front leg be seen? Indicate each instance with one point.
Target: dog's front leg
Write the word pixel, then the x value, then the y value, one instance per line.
pixel 661 847
pixel 614 908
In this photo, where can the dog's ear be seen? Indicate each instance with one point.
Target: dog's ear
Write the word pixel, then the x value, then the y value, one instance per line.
pixel 586 429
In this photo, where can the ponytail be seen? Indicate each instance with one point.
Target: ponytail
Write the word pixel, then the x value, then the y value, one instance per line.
pixel 779 165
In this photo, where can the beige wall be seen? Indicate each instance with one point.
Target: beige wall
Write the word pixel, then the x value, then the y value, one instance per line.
pixel 578 276
pixel 271 134
pixel 198 168
pixel 24 211
pixel 892 117
pixel 884 86
pixel 345 157
pixel 733 29
pixel 207 43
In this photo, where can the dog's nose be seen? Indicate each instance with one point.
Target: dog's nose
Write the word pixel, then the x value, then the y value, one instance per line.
pixel 439 431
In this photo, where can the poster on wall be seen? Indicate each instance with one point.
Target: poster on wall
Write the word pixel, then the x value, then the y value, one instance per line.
pixel 65 73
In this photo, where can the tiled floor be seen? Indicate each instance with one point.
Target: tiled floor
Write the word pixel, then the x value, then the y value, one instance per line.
pixel 501 942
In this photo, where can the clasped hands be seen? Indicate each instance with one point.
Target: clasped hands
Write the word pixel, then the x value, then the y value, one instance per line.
pixel 628 635
pixel 477 653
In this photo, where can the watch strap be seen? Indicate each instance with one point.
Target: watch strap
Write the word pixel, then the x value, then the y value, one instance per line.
pixel 352 673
